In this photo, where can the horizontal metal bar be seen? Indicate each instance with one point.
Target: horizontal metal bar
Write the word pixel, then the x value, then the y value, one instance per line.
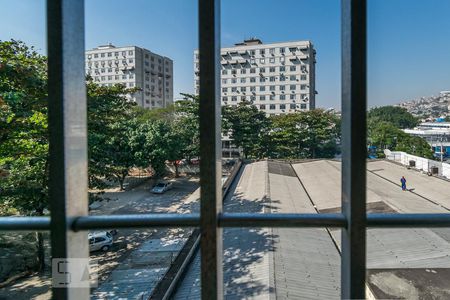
pixel 408 220
pixel 136 221
pixel 24 223
pixel 229 220
pixel 281 220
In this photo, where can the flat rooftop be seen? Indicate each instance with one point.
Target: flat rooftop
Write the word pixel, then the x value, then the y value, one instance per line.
pixel 304 263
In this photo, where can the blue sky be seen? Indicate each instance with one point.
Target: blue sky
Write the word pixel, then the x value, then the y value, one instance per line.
pixel 408 46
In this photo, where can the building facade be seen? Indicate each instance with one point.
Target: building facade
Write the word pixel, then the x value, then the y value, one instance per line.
pixel 133 67
pixel 277 78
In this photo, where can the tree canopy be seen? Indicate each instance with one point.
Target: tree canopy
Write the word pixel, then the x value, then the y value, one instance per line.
pixel 397 116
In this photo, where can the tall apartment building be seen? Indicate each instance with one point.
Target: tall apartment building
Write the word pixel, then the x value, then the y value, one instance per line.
pixel 134 67
pixel 277 78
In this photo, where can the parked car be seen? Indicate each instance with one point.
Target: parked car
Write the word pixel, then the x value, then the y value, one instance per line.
pixel 162 187
pixel 100 240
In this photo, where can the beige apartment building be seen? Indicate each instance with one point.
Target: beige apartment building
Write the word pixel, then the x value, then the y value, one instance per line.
pixel 277 78
pixel 134 67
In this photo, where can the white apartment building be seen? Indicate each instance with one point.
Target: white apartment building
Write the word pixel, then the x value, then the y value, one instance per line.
pixel 134 67
pixel 277 78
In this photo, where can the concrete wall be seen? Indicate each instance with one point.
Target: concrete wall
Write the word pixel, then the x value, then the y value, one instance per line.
pixel 423 164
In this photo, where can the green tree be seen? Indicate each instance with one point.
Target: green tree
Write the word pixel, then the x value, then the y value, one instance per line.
pixel 309 134
pixel 23 133
pixel 397 116
pixel 247 127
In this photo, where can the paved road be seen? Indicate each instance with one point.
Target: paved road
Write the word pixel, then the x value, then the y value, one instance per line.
pixel 133 250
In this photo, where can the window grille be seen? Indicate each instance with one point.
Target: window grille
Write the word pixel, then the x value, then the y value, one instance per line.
pixel 68 152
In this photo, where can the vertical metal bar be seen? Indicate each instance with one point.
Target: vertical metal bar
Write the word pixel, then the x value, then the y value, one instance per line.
pixel 210 156
pixel 68 134
pixel 353 266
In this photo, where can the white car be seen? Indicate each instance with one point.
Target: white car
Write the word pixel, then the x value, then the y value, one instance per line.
pixel 162 187
pixel 100 240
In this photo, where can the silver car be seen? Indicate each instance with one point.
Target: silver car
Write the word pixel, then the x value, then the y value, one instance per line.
pixel 162 187
pixel 100 240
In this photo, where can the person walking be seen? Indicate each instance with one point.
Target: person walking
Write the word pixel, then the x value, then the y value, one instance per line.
pixel 403 181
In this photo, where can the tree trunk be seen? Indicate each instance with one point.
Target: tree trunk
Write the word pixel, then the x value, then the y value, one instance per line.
pixel 40 251
pixel 40 245
pixel 175 164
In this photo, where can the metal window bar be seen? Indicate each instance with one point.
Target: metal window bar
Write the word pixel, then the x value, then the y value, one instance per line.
pixel 68 177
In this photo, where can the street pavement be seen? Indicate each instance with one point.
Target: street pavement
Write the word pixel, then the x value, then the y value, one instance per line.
pixel 124 268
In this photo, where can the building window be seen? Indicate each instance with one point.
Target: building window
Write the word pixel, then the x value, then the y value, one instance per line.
pixel 262 51
pixel 103 78
pixel 234 98
pixel 282 59
pixel 146 63
pixel 102 70
pixel 130 60
pixel 262 60
pixel 293 49
pixel 252 52
pixel 303 96
pixel 292 68
pixel 131 76
pixel 272 88
pixel 243 80
pixel 303 87
pixel 262 79
pixel 282 97
pixel 131 84
pixel 303 77
pixel 252 61
pixel 292 77
pixel 116 53
pixel 243 71
pixel 292 96
pixel 233 72
pixel 243 89
pixel 224 90
pixel 253 98
pixel 282 69
pixel 252 70
pixel 262 97
pixel 252 79
pixel 303 106
pixel 130 52
pixel 262 88
pixel 272 106
pixel 292 87
pixel 224 81
pixel 282 50
pixel 109 77
pixel 262 70
pixel 224 72
pixel 272 78
pixel 116 77
pixel 272 51
pixel 109 70
pixel 224 99
pixel 252 88
pixel 282 106
pixel 262 106
pixel 109 54
pixel 272 69
pixel 233 80
pixel 234 89
pixel 242 98
pixel 272 97
pixel 272 60
pixel 124 76
pixel 95 55
pixel 102 55
pixel 292 106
